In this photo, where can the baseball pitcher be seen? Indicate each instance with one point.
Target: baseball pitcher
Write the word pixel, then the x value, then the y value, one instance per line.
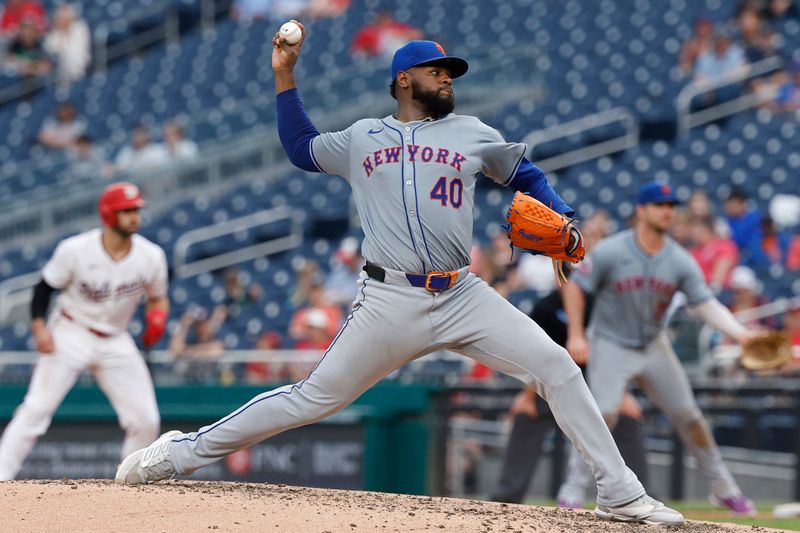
pixel 633 277
pixel 413 176
pixel 102 275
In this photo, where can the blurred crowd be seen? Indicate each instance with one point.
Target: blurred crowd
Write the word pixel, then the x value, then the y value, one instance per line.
pixel 319 301
pixel 721 51
pixel 65 131
pixel 36 43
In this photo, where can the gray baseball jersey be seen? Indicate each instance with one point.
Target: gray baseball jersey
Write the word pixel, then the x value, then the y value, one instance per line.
pixel 414 184
pixel 628 341
pixel 633 290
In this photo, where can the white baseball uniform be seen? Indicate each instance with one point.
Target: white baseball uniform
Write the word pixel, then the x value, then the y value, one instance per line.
pixel 98 298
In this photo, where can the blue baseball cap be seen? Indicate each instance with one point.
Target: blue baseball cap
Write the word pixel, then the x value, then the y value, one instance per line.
pixel 418 53
pixel 656 193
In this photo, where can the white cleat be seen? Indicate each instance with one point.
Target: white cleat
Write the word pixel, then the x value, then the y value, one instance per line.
pixel 148 464
pixel 644 510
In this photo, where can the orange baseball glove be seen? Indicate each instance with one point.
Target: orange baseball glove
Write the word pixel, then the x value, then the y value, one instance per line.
pixel 535 228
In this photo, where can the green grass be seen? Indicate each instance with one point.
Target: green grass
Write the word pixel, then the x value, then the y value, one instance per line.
pixel 708 512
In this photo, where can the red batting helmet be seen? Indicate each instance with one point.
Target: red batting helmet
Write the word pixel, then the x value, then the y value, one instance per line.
pixel 118 197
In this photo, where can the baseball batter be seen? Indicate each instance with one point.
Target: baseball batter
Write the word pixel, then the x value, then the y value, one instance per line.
pixel 102 274
pixel 413 177
pixel 633 276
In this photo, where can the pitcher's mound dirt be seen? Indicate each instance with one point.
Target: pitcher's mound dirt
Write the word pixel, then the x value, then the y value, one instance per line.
pixel 192 506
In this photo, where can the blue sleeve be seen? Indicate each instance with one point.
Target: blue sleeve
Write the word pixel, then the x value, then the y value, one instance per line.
pixel 531 179
pixel 296 130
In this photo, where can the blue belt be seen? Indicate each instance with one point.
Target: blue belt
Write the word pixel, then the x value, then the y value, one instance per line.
pixel 432 281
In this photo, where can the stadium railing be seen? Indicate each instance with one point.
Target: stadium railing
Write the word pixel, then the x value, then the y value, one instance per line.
pixel 688 119
pixel 621 115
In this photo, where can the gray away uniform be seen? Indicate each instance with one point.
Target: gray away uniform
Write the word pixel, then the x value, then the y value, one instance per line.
pixel 628 341
pixel 414 186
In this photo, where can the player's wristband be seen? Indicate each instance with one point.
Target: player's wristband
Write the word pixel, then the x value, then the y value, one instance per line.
pixel 156 324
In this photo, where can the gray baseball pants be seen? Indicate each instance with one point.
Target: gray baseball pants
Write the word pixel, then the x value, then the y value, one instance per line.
pixel 393 323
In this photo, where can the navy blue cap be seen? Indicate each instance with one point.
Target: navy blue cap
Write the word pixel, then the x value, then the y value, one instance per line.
pixel 418 53
pixel 656 193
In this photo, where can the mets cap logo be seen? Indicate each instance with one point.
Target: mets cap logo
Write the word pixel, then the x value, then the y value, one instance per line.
pixel 440 48
pixel 130 191
pixel 665 189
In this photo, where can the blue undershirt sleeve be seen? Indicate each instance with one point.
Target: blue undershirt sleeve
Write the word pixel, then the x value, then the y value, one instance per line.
pixel 296 130
pixel 531 179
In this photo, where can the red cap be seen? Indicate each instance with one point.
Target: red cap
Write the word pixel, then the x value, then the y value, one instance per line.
pixel 118 197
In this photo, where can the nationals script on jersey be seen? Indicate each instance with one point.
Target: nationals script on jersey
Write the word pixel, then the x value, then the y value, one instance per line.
pixel 99 292
pixel 414 184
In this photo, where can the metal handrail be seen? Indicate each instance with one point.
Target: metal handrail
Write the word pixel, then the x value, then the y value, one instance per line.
pixel 166 31
pixel 618 114
pixel 688 119
pixel 184 269
pixel 166 357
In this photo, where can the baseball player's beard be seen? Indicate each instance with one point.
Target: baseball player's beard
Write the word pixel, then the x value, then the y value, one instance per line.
pixel 436 105
pixel 122 232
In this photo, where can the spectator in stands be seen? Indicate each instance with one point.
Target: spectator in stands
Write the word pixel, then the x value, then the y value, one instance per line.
pixel 746 232
pixel 318 9
pixel 179 148
pixel 716 255
pixel 195 336
pixel 239 294
pixel 696 45
pixel 61 131
pixel 316 331
pixel 781 10
pixel 273 10
pixel 791 325
pixel 776 243
pixel 502 256
pixel 316 336
pixel 308 274
pixel 681 229
pixel 699 205
pixel 787 98
pixel 482 265
pixel 257 372
pixel 248 10
pixel 25 56
pixel 755 37
pixel 141 154
pixel 746 294
pixel 793 254
pixel 317 300
pixel 724 59
pixel 346 264
pixel 87 161
pixel 283 10
pixel 383 37
pixel 69 43
pixel 17 11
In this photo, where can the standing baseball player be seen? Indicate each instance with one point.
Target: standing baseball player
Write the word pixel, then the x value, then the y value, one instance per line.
pixel 102 275
pixel 633 276
pixel 413 177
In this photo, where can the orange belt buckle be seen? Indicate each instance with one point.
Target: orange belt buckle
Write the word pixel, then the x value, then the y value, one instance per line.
pixel 452 275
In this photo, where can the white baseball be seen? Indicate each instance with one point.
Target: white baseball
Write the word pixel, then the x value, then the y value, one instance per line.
pixel 291 33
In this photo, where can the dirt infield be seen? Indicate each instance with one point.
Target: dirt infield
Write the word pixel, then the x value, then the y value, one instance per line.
pixel 71 506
